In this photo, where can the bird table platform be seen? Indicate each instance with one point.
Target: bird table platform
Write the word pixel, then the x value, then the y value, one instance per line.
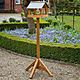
pixel 38 9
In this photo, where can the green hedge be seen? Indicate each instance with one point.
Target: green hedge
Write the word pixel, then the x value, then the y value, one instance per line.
pixel 14 25
pixel 62 52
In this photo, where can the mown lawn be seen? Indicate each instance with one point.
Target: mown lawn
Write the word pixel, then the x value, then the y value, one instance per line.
pixel 69 21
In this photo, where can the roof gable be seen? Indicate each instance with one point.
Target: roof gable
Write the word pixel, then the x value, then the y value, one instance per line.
pixel 36 4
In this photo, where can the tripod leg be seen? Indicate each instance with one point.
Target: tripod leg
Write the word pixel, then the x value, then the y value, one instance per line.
pixel 30 66
pixel 46 69
pixel 34 68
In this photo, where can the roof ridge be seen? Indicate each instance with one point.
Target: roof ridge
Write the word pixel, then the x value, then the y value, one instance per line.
pixel 39 1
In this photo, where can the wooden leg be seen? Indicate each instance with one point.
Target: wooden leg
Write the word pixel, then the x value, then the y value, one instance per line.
pixel 38 64
pixel 46 69
pixel 34 68
pixel 30 66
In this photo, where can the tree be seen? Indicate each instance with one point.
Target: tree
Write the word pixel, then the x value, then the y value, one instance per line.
pixel 31 24
pixel 55 8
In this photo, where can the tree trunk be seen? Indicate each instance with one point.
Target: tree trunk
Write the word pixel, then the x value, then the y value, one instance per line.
pixel 31 23
pixel 73 17
pixel 55 10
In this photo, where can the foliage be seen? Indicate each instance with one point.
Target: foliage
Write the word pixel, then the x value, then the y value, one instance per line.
pixel 57 32
pixel 18 21
pixel 24 19
pixel 68 6
pixel 67 26
pixel 14 25
pixel 12 20
pixel 22 14
pixel 50 34
pixel 62 52
pixel 67 20
pixel 4 21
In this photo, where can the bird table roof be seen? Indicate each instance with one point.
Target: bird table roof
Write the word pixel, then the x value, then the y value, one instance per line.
pixel 36 5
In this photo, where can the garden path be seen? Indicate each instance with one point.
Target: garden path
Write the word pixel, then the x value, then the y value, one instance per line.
pixel 12 67
pixel 6 16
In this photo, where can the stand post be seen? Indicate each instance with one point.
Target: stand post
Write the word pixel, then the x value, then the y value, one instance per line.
pixel 38 64
pixel 38 39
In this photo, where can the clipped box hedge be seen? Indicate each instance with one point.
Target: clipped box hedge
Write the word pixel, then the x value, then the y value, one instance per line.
pixel 62 52
pixel 14 25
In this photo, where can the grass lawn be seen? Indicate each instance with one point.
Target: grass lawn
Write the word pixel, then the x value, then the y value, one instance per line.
pixel 69 21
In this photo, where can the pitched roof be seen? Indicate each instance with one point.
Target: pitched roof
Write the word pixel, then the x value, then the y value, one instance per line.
pixel 36 4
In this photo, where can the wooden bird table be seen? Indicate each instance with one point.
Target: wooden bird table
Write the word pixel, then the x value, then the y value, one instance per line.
pixel 38 64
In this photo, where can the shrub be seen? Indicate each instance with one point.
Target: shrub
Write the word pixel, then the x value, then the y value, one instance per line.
pixel 4 21
pixel 62 52
pixel 18 21
pixel 67 26
pixel 24 19
pixel 22 14
pixel 55 23
pixel 13 25
pixel 12 20
pixel 20 25
pixel 49 20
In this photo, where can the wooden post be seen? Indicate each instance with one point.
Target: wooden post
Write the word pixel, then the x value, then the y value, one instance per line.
pixel 29 12
pixel 46 10
pixel 41 11
pixel 35 11
pixel 38 39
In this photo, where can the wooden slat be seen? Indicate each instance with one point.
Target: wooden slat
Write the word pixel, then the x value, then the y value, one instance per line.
pixel 34 11
pixel 29 12
pixel 40 11
pixel 46 9
pixel 38 16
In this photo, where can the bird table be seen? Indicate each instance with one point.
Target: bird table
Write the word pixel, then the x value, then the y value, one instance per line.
pixel 43 8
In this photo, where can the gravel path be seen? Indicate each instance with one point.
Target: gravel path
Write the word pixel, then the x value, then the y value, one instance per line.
pixel 12 67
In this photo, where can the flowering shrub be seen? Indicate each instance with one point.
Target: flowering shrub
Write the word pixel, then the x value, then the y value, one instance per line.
pixel 62 52
pixel 49 34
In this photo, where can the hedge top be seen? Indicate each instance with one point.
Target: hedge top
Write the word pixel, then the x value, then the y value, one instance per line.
pixel 17 38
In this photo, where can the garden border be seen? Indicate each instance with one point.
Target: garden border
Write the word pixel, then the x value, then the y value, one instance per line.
pixel 62 52
pixel 12 25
